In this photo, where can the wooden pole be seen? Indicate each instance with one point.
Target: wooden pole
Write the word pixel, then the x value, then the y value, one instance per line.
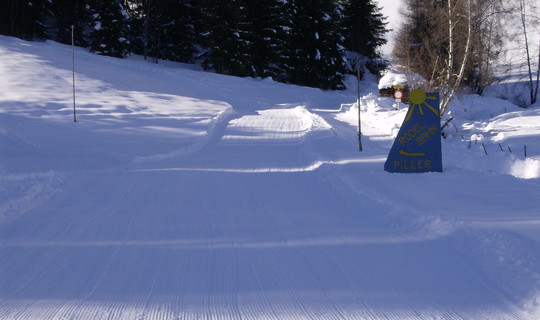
pixel 73 69
pixel 359 118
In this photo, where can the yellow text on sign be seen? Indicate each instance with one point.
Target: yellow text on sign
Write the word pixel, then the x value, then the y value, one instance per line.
pixel 419 133
pixel 412 164
pixel 424 136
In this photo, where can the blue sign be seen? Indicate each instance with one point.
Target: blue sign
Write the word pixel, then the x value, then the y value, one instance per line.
pixel 417 147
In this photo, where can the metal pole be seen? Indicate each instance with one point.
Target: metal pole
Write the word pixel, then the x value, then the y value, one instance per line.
pixel 73 68
pixel 359 119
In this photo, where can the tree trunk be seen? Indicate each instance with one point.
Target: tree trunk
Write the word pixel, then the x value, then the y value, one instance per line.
pixel 451 86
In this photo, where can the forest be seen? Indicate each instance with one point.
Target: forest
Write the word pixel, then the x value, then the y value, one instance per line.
pixel 452 44
pixel 305 42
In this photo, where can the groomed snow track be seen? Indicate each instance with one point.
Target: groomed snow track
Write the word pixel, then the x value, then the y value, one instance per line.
pixel 189 204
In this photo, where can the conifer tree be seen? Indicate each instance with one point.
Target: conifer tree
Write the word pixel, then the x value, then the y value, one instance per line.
pixel 163 29
pixel 176 30
pixel 314 54
pixel 364 31
pixel 140 14
pixel 225 50
pixel 67 13
pixel 110 29
pixel 24 19
pixel 263 29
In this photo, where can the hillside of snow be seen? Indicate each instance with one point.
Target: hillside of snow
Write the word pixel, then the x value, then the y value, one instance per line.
pixel 182 194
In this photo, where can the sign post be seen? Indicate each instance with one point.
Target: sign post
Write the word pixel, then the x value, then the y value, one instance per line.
pixel 417 147
pixel 398 94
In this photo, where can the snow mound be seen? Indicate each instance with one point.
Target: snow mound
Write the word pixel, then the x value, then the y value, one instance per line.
pixel 276 125
pixel 526 169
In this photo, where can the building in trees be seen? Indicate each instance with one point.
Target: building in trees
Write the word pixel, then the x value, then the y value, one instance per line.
pixel 435 41
pixel 452 43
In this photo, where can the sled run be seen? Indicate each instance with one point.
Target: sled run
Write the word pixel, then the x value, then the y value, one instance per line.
pixel 182 194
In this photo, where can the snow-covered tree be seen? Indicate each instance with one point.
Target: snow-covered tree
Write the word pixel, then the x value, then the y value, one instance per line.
pixel 262 27
pixel 67 13
pixel 163 29
pixel 225 49
pixel 177 30
pixel 110 29
pixel 314 54
pixel 364 31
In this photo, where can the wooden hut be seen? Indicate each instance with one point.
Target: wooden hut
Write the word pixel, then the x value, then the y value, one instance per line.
pixel 393 81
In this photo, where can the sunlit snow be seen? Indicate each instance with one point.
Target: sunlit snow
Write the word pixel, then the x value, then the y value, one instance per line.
pixel 183 194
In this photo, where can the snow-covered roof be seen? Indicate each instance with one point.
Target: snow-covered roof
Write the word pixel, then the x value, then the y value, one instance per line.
pixel 396 78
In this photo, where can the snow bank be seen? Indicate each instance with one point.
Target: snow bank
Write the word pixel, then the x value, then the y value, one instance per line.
pixel 526 169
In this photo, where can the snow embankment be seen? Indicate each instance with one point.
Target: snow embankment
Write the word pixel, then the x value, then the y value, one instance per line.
pixel 494 135
pixel 126 111
pixel 485 134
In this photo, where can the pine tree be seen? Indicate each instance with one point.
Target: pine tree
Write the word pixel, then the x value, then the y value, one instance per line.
pixel 263 29
pixel 225 51
pixel 163 29
pixel 364 31
pixel 177 30
pixel 314 55
pixel 137 15
pixel 110 29
pixel 67 13
pixel 24 19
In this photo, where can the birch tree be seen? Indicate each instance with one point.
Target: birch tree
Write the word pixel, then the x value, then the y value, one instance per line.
pixel 436 42
pixel 533 88
pixel 453 80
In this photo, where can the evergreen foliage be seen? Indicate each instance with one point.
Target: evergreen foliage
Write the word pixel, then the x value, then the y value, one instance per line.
pixel 264 31
pixel 109 36
pixel 223 40
pixel 302 42
pixel 24 19
pixel 67 13
pixel 364 30
pixel 177 30
pixel 163 29
pixel 314 52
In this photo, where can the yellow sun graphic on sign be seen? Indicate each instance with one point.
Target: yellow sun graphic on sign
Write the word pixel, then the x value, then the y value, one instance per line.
pixel 418 98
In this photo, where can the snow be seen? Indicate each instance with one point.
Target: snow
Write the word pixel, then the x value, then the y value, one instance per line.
pixel 393 78
pixel 182 194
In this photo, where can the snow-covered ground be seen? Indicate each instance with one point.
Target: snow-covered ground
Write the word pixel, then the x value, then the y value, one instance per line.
pixel 181 194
